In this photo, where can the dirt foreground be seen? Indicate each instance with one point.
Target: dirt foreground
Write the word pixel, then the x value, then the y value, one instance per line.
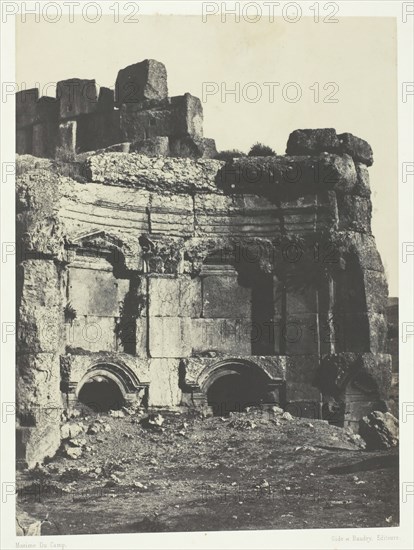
pixel 256 470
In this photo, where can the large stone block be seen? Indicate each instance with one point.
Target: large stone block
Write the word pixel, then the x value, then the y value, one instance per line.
pixel 187 116
pixel 224 297
pixel 97 291
pixel 309 142
pixel 26 107
pixel 40 147
pixel 98 130
pixel 357 148
pixel 39 407
pixel 362 187
pixel 169 337
pixel 92 333
pixel 354 213
pixel 190 297
pixel 138 124
pixel 24 140
pixel 141 81
pixel 378 332
pixel 38 228
pixel 171 215
pixel 164 390
pixel 192 147
pixel 38 389
pixel 164 175
pixel 40 308
pixel 34 444
pixel 106 100
pixel 300 333
pixel 315 141
pixel 76 97
pixel 229 336
pixel 288 176
pixel 152 147
pixel 164 297
pixel 376 291
pixel 301 372
pixel 364 247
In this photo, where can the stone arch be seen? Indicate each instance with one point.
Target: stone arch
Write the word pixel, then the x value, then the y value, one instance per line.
pixel 118 386
pixel 233 384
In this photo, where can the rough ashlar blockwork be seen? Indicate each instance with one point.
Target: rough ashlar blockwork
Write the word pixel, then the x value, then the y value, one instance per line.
pixel 192 282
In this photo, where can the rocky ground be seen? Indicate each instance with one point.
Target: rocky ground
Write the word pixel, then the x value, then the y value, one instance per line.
pixel 181 472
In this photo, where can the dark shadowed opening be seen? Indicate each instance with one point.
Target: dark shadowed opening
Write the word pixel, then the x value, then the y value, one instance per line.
pixel 234 392
pixel 101 394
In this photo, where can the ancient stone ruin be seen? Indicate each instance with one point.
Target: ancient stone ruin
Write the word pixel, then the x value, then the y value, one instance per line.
pixel 80 118
pixel 168 282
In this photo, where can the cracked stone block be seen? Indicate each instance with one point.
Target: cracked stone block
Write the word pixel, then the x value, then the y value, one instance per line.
pixel 141 81
pixel 164 390
pixel 188 116
pixel 164 297
pixel 40 316
pixel 169 337
pixel 190 298
pixel 309 142
pixel 76 97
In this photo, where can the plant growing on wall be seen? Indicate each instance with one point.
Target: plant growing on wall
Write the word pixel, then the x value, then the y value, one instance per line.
pixel 70 313
pixel 130 310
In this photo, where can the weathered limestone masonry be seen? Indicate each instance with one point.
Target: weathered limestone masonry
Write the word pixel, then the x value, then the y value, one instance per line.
pixel 81 118
pixel 177 282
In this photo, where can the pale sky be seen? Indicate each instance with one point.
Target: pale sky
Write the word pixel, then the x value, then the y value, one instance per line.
pixel 357 54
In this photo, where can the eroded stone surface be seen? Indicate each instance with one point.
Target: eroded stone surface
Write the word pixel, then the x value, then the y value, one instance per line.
pixel 379 430
pixel 169 276
pixel 145 80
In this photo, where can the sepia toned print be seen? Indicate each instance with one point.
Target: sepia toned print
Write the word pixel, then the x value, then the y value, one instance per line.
pixel 205 338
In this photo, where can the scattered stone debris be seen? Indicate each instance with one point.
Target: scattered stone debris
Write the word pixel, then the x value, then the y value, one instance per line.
pixel 287 416
pixel 72 452
pixel 153 422
pixel 117 414
pixel 93 429
pixel 69 431
pixel 379 430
